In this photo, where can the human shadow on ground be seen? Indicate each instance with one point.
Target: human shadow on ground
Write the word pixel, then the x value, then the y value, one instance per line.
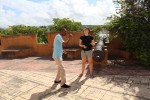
pixel 39 95
pixel 122 87
pixel 128 87
pixel 125 85
pixel 75 87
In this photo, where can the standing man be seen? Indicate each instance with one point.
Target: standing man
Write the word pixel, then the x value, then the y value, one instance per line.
pixel 57 56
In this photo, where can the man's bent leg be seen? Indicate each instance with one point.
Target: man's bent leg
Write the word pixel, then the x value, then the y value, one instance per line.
pixel 61 71
pixel 58 75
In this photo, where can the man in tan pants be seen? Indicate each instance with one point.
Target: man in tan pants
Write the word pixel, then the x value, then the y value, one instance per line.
pixel 57 56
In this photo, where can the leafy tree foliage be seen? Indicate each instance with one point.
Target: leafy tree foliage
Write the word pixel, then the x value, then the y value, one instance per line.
pixel 41 32
pixel 70 25
pixel 22 29
pixel 132 24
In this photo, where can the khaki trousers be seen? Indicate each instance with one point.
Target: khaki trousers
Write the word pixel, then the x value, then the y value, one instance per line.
pixel 61 72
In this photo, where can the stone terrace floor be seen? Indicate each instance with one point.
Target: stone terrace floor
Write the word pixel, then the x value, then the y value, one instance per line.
pixel 32 79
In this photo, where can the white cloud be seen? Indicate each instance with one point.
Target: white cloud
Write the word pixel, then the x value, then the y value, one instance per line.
pixel 41 13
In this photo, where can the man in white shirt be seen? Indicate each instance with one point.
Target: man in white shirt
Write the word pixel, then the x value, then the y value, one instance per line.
pixel 57 56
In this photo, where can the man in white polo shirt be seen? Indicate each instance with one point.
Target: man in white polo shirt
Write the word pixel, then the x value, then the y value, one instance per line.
pixel 57 56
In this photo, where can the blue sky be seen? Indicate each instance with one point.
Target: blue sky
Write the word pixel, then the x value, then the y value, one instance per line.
pixel 39 1
pixel 41 12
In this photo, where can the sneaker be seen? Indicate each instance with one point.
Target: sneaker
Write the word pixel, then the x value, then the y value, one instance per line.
pixel 65 86
pixel 57 81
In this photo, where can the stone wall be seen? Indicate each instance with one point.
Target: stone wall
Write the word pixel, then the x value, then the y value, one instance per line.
pixel 26 44
pixel 0 45
pixel 43 50
pixel 114 48
pixel 30 41
pixel 18 41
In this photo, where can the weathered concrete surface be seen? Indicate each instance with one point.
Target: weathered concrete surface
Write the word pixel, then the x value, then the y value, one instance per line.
pixel 32 79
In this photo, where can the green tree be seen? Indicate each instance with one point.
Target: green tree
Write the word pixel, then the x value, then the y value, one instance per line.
pixel 70 25
pixel 2 31
pixel 132 24
pixel 22 29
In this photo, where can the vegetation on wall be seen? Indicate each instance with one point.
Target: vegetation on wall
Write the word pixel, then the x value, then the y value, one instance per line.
pixel 132 24
pixel 22 29
pixel 42 31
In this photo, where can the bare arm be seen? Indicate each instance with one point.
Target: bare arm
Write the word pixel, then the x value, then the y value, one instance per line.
pixel 93 43
pixel 66 42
